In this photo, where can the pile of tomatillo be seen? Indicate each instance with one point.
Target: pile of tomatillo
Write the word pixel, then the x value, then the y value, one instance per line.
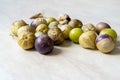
pixel 43 33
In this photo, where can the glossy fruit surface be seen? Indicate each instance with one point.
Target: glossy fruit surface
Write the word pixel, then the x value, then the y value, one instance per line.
pixel 44 44
pixel 110 32
pixel 74 34
pixel 101 25
pixel 105 43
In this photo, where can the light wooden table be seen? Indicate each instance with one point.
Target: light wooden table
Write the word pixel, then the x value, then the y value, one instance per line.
pixel 68 61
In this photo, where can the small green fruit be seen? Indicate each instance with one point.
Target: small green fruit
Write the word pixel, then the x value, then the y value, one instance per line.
pixel 110 32
pixel 74 34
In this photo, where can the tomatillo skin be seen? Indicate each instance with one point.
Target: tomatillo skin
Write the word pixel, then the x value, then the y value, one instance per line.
pixel 50 19
pixel 56 35
pixel 42 28
pixel 65 30
pixel 53 24
pixel 88 27
pixel 44 44
pixel 75 23
pixel 24 29
pixel 105 43
pixel 87 40
pixel 64 18
pixel 101 25
pixel 110 32
pixel 26 40
pixel 37 22
pixel 16 25
pixel 74 34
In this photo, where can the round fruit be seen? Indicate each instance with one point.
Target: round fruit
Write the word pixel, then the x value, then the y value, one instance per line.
pixel 63 18
pixel 74 34
pixel 75 23
pixel 44 44
pixel 42 28
pixel 37 22
pixel 65 30
pixel 110 32
pixel 53 24
pixel 101 25
pixel 88 27
pixel 56 35
pixel 50 19
pixel 26 40
pixel 24 29
pixel 105 43
pixel 87 40
pixel 16 25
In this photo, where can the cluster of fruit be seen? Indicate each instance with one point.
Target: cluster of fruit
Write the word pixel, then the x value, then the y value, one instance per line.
pixel 43 33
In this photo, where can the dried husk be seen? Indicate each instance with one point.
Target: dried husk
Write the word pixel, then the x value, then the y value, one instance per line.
pixel 65 30
pixel 16 25
pixel 42 28
pixel 26 40
pixel 75 23
pixel 88 27
pixel 56 35
pixel 25 29
pixel 87 40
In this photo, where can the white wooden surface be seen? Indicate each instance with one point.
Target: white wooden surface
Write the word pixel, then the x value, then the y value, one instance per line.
pixel 68 61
